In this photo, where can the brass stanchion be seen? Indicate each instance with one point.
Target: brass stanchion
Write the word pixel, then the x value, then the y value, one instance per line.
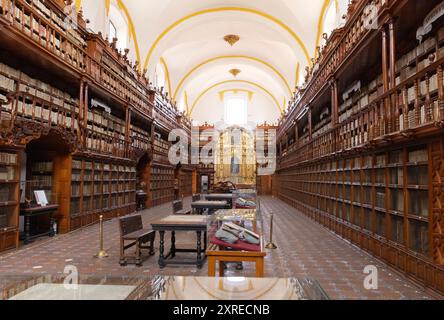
pixel 270 244
pixel 102 253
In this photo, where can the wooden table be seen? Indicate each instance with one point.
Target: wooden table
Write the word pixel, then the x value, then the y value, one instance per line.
pixel 180 223
pixel 31 212
pixel 201 205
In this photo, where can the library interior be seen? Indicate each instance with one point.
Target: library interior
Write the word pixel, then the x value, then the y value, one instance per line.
pixel 221 150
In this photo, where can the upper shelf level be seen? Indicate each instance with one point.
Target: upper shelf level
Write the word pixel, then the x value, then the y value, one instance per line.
pixel 40 33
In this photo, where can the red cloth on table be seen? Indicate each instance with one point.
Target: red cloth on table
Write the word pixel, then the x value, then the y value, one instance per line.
pixel 239 245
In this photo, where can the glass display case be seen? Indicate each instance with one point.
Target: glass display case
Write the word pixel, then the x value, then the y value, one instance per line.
pixel 54 287
pixel 236 229
pixel 245 199
pixel 236 288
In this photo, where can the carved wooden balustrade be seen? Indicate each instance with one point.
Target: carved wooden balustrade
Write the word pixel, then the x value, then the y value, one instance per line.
pixel 343 44
pixel 416 105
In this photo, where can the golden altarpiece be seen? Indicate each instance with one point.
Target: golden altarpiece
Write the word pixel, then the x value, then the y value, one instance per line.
pixel 235 156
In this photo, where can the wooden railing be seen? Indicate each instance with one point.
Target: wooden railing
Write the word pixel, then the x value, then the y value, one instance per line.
pixel 413 105
pixel 334 55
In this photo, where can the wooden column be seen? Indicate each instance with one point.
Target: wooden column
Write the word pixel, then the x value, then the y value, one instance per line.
pixel 80 115
pixel 334 103
pixel 385 75
pixel 296 133
pixel 310 124
pixel 128 130
pixel 85 113
pixel 392 53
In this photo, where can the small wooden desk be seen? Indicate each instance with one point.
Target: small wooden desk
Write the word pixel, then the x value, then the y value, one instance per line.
pixel 182 223
pixel 201 205
pixel 31 212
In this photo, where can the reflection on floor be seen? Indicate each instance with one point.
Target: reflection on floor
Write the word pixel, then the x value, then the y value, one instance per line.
pixel 305 249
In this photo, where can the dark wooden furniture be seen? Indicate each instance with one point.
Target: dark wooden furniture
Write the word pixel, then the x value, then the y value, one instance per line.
pixel 132 231
pixel 35 211
pixel 178 208
pixel 141 198
pixel 202 205
pixel 175 224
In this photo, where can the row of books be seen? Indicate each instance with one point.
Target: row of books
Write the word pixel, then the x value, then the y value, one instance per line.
pixel 106 121
pixel 421 155
pixel 6 191
pixel 7 173
pixel 8 158
pixel 3 219
pixel 44 166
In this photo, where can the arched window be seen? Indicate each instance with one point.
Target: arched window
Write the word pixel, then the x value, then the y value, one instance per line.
pixel 118 28
pixel 236 109
pixel 160 77
pixel 112 30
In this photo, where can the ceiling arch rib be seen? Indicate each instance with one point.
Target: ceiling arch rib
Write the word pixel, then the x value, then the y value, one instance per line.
pixel 254 84
pixel 266 16
pixel 167 75
pixel 240 57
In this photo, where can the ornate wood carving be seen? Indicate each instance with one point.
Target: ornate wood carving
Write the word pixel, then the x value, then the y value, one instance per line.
pixel 24 131
pixel 437 210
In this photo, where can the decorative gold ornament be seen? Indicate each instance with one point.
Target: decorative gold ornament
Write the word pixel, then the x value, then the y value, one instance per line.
pixel 235 72
pixel 232 39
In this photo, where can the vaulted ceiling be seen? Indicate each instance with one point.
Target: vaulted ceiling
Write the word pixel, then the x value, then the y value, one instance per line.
pixel 185 38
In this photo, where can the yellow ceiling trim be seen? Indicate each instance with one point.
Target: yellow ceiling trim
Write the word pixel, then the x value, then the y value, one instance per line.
pixel 107 6
pixel 176 92
pixel 298 70
pixel 167 74
pixel 187 105
pixel 234 81
pixel 239 9
pixel 235 91
pixel 321 21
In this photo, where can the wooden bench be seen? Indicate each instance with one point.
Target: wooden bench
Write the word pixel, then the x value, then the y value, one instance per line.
pixel 131 230
pixel 178 208
pixel 214 254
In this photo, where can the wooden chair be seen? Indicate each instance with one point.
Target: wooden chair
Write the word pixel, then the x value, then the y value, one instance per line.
pixel 131 230
pixel 178 208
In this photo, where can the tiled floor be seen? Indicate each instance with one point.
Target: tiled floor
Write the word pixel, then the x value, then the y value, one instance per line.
pixel 305 249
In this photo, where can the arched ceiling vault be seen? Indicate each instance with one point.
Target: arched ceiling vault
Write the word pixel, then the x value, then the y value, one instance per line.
pixel 277 41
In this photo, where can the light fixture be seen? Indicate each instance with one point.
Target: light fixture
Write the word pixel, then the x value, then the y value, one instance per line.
pixel 232 39
pixel 235 72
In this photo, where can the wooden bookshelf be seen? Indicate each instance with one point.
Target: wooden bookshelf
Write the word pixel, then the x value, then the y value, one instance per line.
pixel 161 184
pixel 363 157
pixel 185 182
pixel 100 187
pixel 9 198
